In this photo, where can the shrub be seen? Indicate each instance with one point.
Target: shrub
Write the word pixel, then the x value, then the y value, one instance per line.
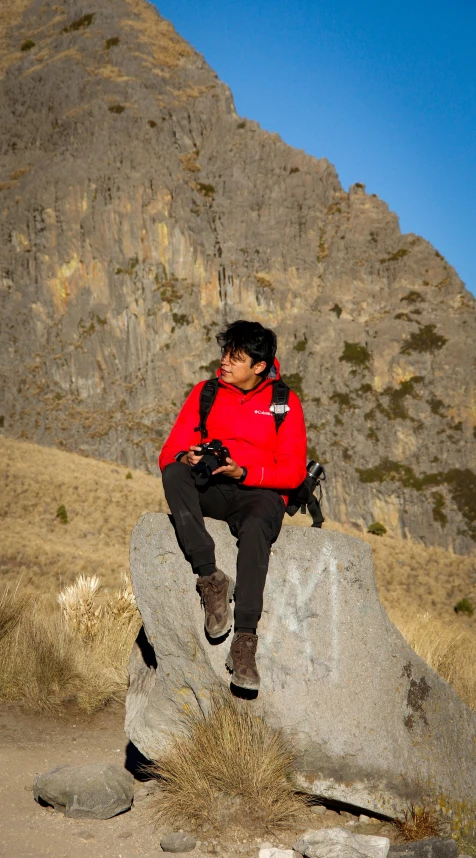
pixel 128 476
pixel 27 45
pixel 294 381
pixel 79 23
pixel 399 254
pixel 116 108
pixel 343 400
pixel 227 766
pixel 377 528
pixel 356 354
pixel 301 345
pixel 152 123
pixel 208 191
pixel 337 309
pixel 181 319
pixel 424 340
pixel 211 367
pixel 62 514
pixel 464 606
pixel 396 396
pixel 412 297
pixel 111 43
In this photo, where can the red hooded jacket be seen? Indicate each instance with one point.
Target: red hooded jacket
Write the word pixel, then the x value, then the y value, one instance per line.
pixel 243 422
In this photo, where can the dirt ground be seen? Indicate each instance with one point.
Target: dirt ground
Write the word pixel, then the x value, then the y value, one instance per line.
pixel 32 744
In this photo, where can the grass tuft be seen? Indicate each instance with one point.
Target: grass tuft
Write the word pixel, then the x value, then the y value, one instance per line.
pixel 418 823
pixel 464 606
pixel 77 653
pixel 227 767
pixel 62 514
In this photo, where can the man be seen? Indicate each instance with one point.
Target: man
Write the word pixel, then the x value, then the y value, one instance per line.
pixel 249 492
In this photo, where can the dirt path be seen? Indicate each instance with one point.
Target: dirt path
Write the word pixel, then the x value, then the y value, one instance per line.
pixel 30 745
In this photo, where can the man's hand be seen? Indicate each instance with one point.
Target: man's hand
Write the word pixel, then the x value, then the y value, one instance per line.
pixel 230 470
pixel 191 457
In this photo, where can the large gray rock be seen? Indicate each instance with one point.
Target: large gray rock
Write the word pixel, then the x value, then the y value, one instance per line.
pixel 95 791
pixel 375 725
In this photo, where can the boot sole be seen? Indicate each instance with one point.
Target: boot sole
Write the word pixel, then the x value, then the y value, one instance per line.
pixel 250 686
pixel 221 633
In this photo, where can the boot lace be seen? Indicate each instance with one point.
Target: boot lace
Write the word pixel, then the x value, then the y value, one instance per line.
pixel 245 649
pixel 211 592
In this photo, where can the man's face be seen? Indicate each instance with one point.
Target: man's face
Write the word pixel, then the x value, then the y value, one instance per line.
pixel 237 370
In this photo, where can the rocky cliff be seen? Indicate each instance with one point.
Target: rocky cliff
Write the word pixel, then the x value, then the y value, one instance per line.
pixel 139 213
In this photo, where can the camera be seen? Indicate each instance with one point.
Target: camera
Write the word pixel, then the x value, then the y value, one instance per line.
pixel 213 456
pixel 315 471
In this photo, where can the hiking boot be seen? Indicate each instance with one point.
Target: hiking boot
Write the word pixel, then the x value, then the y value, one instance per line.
pixel 216 592
pixel 241 660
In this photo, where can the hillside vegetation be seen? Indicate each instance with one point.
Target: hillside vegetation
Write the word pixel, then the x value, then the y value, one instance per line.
pixel 103 502
pixel 63 515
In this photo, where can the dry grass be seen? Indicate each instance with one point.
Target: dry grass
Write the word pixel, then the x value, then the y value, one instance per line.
pixel 11 15
pixel 418 586
pixel 75 652
pixel 102 506
pixel 417 823
pixel 227 768
pixel 167 48
pixel 445 645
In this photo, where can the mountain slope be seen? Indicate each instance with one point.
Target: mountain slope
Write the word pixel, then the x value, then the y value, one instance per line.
pixel 139 213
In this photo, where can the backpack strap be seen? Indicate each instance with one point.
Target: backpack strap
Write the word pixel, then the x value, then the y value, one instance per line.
pixel 208 395
pixel 279 402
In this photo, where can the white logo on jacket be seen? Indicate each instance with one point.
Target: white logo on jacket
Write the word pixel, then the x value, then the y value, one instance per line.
pixel 268 413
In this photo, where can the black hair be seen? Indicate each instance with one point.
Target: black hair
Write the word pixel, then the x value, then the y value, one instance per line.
pixel 249 338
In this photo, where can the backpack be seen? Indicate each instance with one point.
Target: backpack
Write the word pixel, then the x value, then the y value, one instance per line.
pixel 301 497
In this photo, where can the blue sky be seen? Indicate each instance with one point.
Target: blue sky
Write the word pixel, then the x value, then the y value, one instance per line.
pixel 385 91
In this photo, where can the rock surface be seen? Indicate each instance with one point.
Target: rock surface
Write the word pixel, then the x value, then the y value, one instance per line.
pixel 95 791
pixel 139 212
pixel 375 725
pixel 339 843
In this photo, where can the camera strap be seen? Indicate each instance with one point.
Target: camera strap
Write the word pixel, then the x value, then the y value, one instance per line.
pixel 208 395
pixel 279 403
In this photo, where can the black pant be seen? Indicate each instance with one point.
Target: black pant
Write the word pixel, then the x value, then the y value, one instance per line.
pixel 253 515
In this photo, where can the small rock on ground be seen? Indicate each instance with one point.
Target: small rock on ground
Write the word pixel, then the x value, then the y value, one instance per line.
pixel 318 809
pixel 276 853
pixel 95 791
pixel 179 841
pixel 332 842
pixel 429 847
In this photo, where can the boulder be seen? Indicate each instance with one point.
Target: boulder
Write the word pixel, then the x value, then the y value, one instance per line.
pixel 376 727
pixel 95 791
